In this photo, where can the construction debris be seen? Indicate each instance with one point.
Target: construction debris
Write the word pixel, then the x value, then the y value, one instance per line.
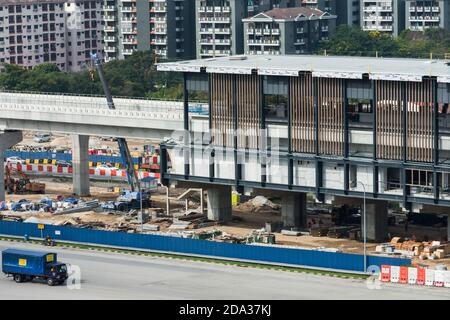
pixel 258 204
pixel 424 250
pixel 290 233
pixel 150 227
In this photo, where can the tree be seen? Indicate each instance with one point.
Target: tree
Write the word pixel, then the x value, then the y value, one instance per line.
pixel 354 41
pixel 135 76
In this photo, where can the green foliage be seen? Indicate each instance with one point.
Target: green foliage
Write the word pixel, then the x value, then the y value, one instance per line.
pixel 353 41
pixel 135 76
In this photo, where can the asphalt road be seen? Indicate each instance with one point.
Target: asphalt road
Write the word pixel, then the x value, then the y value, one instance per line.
pixel 122 276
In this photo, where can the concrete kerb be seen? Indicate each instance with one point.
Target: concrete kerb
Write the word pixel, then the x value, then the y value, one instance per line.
pixel 174 255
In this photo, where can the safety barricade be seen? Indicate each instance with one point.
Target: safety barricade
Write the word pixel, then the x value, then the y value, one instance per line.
pixel 439 278
pixel 415 276
pixel 421 276
pixel 429 277
pixel 101 173
pixel 386 273
pixel 412 275
pixel 403 275
pixel 395 274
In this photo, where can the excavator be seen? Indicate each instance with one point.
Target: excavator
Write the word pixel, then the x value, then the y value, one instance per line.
pixel 123 145
pixel 21 185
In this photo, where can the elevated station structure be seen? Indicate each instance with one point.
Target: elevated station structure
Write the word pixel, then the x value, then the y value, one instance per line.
pixel 338 127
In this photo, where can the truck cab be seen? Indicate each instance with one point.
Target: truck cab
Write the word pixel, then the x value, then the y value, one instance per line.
pixel 57 271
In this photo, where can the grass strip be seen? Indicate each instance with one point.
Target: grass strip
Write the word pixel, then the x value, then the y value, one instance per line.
pixel 198 259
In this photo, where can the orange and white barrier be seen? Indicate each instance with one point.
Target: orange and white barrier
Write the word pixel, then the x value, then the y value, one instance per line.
pixel 102 173
pixel 415 276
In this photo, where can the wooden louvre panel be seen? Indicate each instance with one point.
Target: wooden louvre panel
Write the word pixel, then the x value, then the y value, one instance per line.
pixel 248 99
pixel 302 113
pixel 222 109
pixel 419 121
pixel 389 119
pixel 330 95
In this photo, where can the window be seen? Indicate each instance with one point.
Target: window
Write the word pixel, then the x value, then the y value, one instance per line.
pixel 276 99
pixel 360 113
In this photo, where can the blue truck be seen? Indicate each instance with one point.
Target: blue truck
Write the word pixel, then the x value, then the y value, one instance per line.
pixel 25 265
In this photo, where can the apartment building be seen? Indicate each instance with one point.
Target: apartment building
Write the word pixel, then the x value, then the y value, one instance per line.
pixel 348 12
pixel 323 5
pixel 383 16
pixel 424 14
pixel 257 6
pixel 219 27
pixel 62 32
pixel 163 26
pixel 287 31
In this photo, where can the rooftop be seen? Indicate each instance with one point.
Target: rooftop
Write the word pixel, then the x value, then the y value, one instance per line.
pixel 399 69
pixel 289 14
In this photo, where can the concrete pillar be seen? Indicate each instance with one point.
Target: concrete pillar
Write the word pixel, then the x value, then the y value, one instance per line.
pixel 376 223
pixel 293 210
pixel 7 140
pixel 80 164
pixel 219 203
pixel 448 227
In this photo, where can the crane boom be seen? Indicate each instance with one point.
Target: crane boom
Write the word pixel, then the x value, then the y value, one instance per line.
pixel 123 145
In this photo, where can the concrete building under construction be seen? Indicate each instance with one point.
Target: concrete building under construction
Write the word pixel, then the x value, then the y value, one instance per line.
pixel 343 128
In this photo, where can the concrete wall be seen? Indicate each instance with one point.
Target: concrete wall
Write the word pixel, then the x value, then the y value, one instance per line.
pixel 333 176
pixel 304 173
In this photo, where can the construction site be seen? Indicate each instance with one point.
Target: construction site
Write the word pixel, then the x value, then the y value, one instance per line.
pixel 278 158
pixel 49 199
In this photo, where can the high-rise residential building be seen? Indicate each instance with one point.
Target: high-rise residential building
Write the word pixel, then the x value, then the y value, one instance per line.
pixel 383 16
pixel 323 5
pixel 62 32
pixel 348 12
pixel 424 14
pixel 219 27
pixel 257 6
pixel 287 31
pixel 163 26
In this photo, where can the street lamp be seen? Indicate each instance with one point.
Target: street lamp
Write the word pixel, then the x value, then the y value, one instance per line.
pixel 142 214
pixel 364 226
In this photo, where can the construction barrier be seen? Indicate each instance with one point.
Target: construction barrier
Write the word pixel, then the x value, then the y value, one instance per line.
pixel 403 275
pixel 261 253
pixel 421 276
pixel 52 157
pixel 412 275
pixel 395 274
pixel 386 273
pixel 429 277
pixel 101 173
pixel 415 276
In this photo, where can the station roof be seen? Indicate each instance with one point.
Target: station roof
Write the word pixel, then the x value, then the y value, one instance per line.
pixel 398 69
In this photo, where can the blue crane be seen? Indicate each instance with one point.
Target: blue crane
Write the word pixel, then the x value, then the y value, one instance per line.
pixel 133 180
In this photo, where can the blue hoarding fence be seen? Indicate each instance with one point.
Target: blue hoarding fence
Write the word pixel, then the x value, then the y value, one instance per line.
pixel 264 254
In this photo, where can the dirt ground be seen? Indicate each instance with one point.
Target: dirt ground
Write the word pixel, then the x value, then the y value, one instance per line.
pixel 244 223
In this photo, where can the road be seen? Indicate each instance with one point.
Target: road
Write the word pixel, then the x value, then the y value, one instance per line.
pixel 121 276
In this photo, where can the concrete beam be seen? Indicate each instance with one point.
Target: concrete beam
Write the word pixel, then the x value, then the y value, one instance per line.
pixel 219 203
pixel 80 164
pixel 376 223
pixel 7 140
pixel 88 128
pixel 293 210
